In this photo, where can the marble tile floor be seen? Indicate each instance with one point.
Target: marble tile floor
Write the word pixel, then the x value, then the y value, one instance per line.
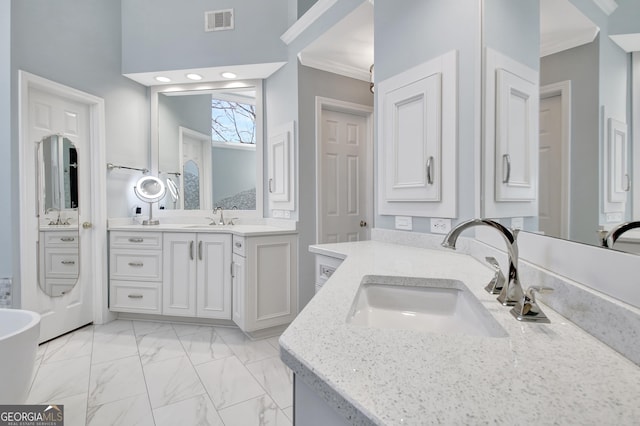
pixel 148 373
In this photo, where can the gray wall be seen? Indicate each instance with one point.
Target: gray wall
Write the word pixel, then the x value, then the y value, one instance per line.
pixel 169 34
pixel 417 32
pixel 626 18
pixel 312 83
pixel 190 111
pixel 233 171
pixel 580 65
pixel 304 5
pixel 8 152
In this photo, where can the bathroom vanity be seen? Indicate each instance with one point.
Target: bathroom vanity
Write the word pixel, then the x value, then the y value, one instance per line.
pixel 244 273
pixel 347 372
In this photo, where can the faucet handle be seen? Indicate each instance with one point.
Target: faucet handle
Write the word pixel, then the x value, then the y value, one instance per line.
pixel 213 221
pixel 498 280
pixel 528 309
pixel 231 221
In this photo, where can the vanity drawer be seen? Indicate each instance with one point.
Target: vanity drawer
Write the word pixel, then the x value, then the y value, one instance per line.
pixel 138 240
pixel 139 265
pixel 61 263
pixel 131 296
pixel 59 238
pixel 238 245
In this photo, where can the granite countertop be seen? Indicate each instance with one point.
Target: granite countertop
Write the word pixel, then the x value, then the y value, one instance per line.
pixel 539 374
pixel 240 229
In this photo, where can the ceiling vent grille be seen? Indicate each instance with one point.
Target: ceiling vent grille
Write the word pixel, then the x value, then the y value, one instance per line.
pixel 218 20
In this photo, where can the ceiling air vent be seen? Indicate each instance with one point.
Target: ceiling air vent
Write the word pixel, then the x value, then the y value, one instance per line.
pixel 218 20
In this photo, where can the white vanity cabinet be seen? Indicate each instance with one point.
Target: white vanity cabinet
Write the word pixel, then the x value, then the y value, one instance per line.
pixel 135 272
pixel 197 275
pixel 59 260
pixel 265 283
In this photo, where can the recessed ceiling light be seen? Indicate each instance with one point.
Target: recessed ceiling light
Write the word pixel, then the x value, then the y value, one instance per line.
pixel 228 75
pixel 194 76
pixel 162 79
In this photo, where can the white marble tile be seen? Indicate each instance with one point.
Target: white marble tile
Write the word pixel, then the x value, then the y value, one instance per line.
pixel 75 409
pixel 159 346
pixel 276 378
pixel 115 380
pixel 205 346
pixel 114 326
pixel 73 345
pixel 61 379
pixel 198 411
pixel 228 382
pixel 259 411
pixel 273 341
pixel 133 411
pixel 38 361
pixel 111 343
pixel 186 329
pixel 172 380
pixel 245 349
pixel 289 413
pixel 145 327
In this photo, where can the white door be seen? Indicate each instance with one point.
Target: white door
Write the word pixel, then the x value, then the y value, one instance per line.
pixel 196 170
pixel 550 163
pixel 342 187
pixel 50 114
pixel 179 274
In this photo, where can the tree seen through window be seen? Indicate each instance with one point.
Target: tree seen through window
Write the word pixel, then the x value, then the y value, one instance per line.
pixel 233 122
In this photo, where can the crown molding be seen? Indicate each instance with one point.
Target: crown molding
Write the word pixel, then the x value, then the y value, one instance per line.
pixel 305 21
pixel 549 47
pixel 334 67
pixel 607 6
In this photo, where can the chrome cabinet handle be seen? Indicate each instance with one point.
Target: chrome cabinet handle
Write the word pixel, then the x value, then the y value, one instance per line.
pixel 627 185
pixel 191 249
pixel 270 182
pixel 237 244
pixel 200 250
pixel 233 273
pixel 136 240
pixel 136 264
pixel 134 296
pixel 68 262
pixel 430 170
pixel 507 158
pixel 67 239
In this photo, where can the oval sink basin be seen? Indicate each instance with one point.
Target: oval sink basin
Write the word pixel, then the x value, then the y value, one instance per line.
pixel 421 304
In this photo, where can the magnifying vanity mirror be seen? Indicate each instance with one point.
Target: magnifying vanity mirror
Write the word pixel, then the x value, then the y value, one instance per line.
pixel 207 141
pixel 58 200
pixel 150 189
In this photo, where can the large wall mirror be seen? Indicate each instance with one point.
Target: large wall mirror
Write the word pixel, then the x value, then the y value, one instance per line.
pixel 207 145
pixel 586 182
pixel 58 201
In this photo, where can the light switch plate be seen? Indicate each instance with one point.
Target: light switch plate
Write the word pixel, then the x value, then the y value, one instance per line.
pixel 404 222
pixel 517 223
pixel 614 217
pixel 440 226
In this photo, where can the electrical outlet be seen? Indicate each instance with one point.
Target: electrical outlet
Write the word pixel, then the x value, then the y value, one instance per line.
pixel 287 214
pixel 404 222
pixel 277 214
pixel 440 226
pixel 614 217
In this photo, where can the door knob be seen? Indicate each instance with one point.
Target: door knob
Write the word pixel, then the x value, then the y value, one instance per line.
pixel 87 225
pixel 363 224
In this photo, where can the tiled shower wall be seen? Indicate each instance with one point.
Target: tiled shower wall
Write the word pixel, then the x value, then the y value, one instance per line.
pixel 5 292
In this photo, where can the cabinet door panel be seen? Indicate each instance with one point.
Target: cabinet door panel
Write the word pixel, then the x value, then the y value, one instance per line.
pixel 179 271
pixel 214 276
pixel 239 292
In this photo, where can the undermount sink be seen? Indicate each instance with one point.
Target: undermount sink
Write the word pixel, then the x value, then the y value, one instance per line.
pixel 206 226
pixel 422 304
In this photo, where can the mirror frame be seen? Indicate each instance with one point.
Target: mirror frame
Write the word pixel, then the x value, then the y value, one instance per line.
pixel 216 85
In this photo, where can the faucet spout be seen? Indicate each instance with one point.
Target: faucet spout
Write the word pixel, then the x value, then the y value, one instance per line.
pixel 512 292
pixel 617 231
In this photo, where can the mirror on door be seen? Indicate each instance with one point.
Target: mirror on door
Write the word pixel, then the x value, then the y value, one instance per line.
pixel 58 264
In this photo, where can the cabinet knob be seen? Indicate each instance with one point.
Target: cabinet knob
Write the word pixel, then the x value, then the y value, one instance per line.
pixel 87 225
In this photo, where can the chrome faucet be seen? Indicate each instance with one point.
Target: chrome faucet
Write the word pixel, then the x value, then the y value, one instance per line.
pixel 221 214
pixel 512 292
pixel 615 233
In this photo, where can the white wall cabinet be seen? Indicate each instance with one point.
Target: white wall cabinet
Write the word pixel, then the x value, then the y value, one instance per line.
pixel 265 285
pixel 417 131
pixel 616 168
pixel 281 164
pixel 511 138
pixel 197 276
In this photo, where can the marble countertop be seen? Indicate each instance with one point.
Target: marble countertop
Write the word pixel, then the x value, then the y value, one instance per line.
pixel 539 374
pixel 240 229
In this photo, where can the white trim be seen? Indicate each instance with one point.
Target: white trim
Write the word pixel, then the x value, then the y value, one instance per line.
pixel 98 219
pixel 306 20
pixel 234 145
pixel 350 108
pixel 206 201
pixel 635 134
pixel 334 67
pixel 563 89
pixel 607 6
pixel 562 43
